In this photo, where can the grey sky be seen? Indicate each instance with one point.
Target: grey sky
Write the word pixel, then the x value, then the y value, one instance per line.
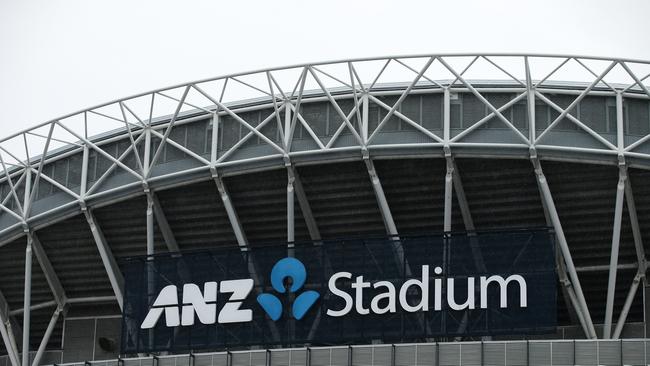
pixel 57 56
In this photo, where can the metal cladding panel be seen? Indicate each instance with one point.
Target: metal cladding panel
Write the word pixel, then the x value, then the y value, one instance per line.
pixel 539 354
pixel 342 199
pixel 516 354
pixel 196 216
pixel 586 353
pixel 564 353
pixel 124 225
pixel 501 193
pixel 74 256
pixel 362 356
pixel 633 352
pixel 449 354
pixel 210 359
pixel 260 200
pixel 609 352
pixel 415 190
pixel 405 355
pixel 471 354
pixel 494 354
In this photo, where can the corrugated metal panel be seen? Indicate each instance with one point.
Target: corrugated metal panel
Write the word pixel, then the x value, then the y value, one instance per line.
pixel 320 356
pixel 211 359
pixel 494 354
pixel 427 354
pixel 298 357
pixel 609 352
pixel 340 355
pixel 450 354
pixel 280 357
pixel 586 353
pixel 197 216
pixel 563 353
pixel 382 355
pixel 342 199
pixel 516 354
pixel 633 352
pixel 362 356
pixel 471 354
pixel 539 353
pixel 405 355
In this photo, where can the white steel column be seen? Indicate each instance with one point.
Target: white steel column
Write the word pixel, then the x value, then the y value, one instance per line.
pixel 27 301
pixel 449 178
pixel 46 336
pixel 291 220
pixel 230 211
pixel 163 225
pixel 641 260
pixel 50 275
pixel 564 246
pixel 384 209
pixel 613 259
pixel 150 227
pixel 110 265
pixel 8 336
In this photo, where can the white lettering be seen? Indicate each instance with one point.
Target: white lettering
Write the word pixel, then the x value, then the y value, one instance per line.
pixel 503 284
pixel 231 312
pixel 423 305
pixel 388 295
pixel 340 293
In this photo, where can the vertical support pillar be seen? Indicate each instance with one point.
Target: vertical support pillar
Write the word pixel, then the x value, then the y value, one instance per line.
pixel 449 178
pixel 364 118
pixel 8 336
pixel 564 246
pixel 613 260
pixel 446 115
pixel 530 90
pixel 27 301
pixel 150 218
pixel 291 221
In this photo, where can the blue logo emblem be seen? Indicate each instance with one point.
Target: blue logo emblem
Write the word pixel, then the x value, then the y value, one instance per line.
pixel 294 269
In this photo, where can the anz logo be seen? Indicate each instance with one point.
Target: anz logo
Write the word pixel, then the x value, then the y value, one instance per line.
pixel 295 270
pixel 204 305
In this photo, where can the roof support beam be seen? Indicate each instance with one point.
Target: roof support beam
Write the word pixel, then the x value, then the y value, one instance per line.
pixel 230 211
pixel 150 218
pixel 110 264
pixel 27 300
pixel 564 246
pixel 163 224
pixel 384 209
pixel 8 338
pixel 50 275
pixel 46 336
pixel 613 259
pixel 305 207
pixel 641 260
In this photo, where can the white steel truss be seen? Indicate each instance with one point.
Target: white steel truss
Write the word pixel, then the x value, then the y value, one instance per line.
pixel 147 123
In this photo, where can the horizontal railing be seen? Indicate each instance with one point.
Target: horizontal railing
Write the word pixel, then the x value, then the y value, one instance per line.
pixel 495 353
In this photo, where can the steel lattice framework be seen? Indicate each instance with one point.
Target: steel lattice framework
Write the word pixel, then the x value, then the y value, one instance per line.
pixel 365 100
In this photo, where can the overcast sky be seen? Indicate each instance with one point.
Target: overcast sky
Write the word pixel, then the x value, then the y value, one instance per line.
pixel 57 57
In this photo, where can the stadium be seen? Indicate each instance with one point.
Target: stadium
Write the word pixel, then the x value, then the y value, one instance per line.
pixel 500 201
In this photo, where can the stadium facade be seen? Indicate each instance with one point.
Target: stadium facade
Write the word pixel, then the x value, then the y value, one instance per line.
pixel 159 229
